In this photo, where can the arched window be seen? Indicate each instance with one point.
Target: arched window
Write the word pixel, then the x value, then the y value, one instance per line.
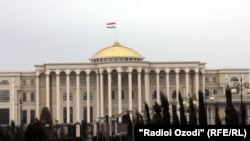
pixel 4 82
pixel 234 79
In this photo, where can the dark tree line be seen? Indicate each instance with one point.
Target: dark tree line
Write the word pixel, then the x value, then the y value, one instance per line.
pixel 197 114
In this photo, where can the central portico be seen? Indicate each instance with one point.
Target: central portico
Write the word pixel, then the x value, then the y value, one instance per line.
pixel 117 79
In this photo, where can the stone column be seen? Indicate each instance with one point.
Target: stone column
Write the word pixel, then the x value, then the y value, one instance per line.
pixel 101 94
pixel 109 95
pixel 68 96
pixel 167 84
pixel 58 107
pixel 187 83
pixel 77 96
pixel 158 87
pixel 197 83
pixel 47 90
pixel 88 98
pixel 139 91
pixel 12 101
pixel 130 90
pixel 37 96
pixel 119 94
pixel 97 97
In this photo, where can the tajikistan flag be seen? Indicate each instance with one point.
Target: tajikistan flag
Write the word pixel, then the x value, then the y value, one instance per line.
pixel 111 25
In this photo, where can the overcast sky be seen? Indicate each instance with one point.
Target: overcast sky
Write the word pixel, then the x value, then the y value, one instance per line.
pixel 216 32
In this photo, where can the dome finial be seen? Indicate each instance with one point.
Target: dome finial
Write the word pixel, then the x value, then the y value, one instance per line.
pixel 116 43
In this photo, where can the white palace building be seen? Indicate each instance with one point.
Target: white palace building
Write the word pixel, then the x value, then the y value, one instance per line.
pixel 115 80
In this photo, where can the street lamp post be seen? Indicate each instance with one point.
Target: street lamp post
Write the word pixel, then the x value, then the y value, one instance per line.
pixel 207 103
pixel 241 86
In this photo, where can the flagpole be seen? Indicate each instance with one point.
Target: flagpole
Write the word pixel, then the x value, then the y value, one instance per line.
pixel 115 34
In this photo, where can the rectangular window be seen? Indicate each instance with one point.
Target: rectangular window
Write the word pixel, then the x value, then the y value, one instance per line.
pixel 85 113
pixel 91 114
pixel 123 95
pixel 24 117
pixel 82 80
pixel 161 79
pixel 4 116
pixel 64 115
pixel 32 96
pixel 72 80
pixel 181 78
pixel 4 95
pixel 207 79
pixel 113 95
pixel 32 115
pixel 171 78
pixel 71 114
pixel 62 80
pixel 23 82
pixel 214 79
pixel 214 91
pixel 32 82
pixel 92 79
pixel 152 78
pixel 24 97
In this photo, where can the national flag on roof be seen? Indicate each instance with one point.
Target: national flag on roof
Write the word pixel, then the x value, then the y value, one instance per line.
pixel 111 25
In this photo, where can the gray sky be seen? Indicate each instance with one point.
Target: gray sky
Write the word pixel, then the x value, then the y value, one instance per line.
pixel 216 32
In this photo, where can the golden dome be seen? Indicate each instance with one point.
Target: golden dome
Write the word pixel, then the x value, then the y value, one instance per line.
pixel 116 51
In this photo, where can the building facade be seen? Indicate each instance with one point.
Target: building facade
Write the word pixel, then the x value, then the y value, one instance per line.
pixel 117 79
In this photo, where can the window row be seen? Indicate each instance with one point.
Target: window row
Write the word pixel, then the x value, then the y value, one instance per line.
pixel 210 92
pixel 71 96
pixel 73 80
pixel 25 116
pixel 25 82
pixel 116 59
pixel 71 114
pixel 171 78
pixel 31 96
pixel 113 79
pixel 113 95
pixel 214 79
